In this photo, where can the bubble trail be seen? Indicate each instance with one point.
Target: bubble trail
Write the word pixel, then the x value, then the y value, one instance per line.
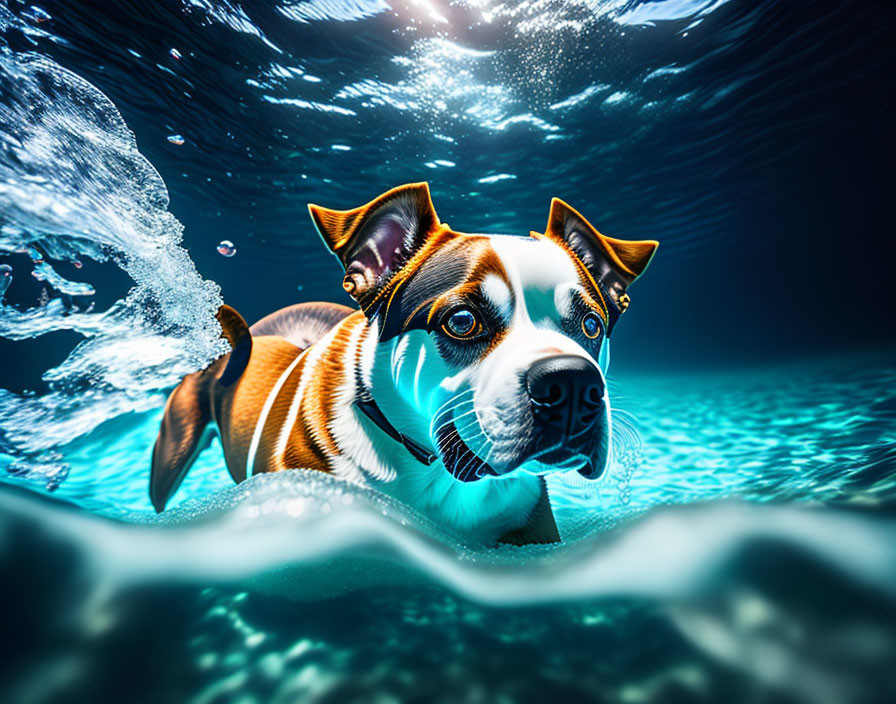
pixel 226 248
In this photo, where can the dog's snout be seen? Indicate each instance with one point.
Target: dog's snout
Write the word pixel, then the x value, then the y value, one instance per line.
pixel 566 391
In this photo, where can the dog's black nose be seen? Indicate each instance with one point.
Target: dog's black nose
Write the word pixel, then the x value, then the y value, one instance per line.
pixel 567 393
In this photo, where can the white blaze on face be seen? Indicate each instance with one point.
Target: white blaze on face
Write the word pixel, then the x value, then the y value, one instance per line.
pixel 542 279
pixel 494 289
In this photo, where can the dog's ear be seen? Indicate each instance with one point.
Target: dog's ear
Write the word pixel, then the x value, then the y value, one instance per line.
pixel 613 263
pixel 375 240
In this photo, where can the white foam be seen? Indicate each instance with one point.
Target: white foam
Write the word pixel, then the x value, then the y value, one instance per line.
pixel 73 183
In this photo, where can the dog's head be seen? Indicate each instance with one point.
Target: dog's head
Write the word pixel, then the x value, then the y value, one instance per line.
pixel 492 346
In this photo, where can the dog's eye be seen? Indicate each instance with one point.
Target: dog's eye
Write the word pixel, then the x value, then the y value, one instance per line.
pixel 461 323
pixel 592 325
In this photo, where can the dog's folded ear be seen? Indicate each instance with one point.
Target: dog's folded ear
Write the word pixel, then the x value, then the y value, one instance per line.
pixel 376 239
pixel 613 263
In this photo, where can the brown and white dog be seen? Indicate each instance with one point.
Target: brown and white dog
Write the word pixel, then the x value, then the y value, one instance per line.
pixel 474 367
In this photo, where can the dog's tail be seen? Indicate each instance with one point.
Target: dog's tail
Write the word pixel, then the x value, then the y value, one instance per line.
pixel 185 432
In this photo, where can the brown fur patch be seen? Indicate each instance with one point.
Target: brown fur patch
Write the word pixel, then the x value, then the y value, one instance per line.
pixel 236 409
pixel 458 264
pixel 327 376
pixel 598 301
pixel 267 459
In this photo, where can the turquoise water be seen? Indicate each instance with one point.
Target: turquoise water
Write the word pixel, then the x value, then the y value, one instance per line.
pixel 820 431
pixel 738 554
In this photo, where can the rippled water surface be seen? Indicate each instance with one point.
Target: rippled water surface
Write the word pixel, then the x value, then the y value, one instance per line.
pixel 156 160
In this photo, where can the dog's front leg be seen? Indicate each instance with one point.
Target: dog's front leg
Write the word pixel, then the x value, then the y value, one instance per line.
pixel 540 526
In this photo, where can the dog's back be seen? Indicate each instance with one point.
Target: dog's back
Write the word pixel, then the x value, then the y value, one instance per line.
pixel 232 392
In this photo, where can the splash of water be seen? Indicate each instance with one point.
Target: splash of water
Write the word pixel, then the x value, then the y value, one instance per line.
pixel 74 186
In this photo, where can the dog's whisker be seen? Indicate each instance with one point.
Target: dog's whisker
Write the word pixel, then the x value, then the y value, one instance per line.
pixel 488 455
pixel 474 465
pixel 451 443
pixel 464 415
pixel 464 428
pixel 625 428
pixel 435 431
pixel 450 426
pixel 471 463
pixel 454 399
pixel 451 439
pixel 448 410
pixel 468 467
pixel 461 397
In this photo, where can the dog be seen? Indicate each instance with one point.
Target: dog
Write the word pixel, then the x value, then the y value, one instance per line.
pixel 473 367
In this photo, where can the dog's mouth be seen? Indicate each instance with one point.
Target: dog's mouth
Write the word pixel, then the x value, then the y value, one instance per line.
pixel 459 459
pixel 466 466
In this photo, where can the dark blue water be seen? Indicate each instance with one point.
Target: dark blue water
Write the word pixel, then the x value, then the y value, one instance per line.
pixel 743 544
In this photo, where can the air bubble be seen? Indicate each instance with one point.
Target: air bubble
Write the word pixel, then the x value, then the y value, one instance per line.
pixel 174 54
pixel 226 248
pixel 176 139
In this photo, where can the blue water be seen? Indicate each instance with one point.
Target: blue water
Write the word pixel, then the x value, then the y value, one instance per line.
pixel 742 546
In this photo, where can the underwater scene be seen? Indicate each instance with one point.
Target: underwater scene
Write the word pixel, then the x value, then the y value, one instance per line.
pixel 727 533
